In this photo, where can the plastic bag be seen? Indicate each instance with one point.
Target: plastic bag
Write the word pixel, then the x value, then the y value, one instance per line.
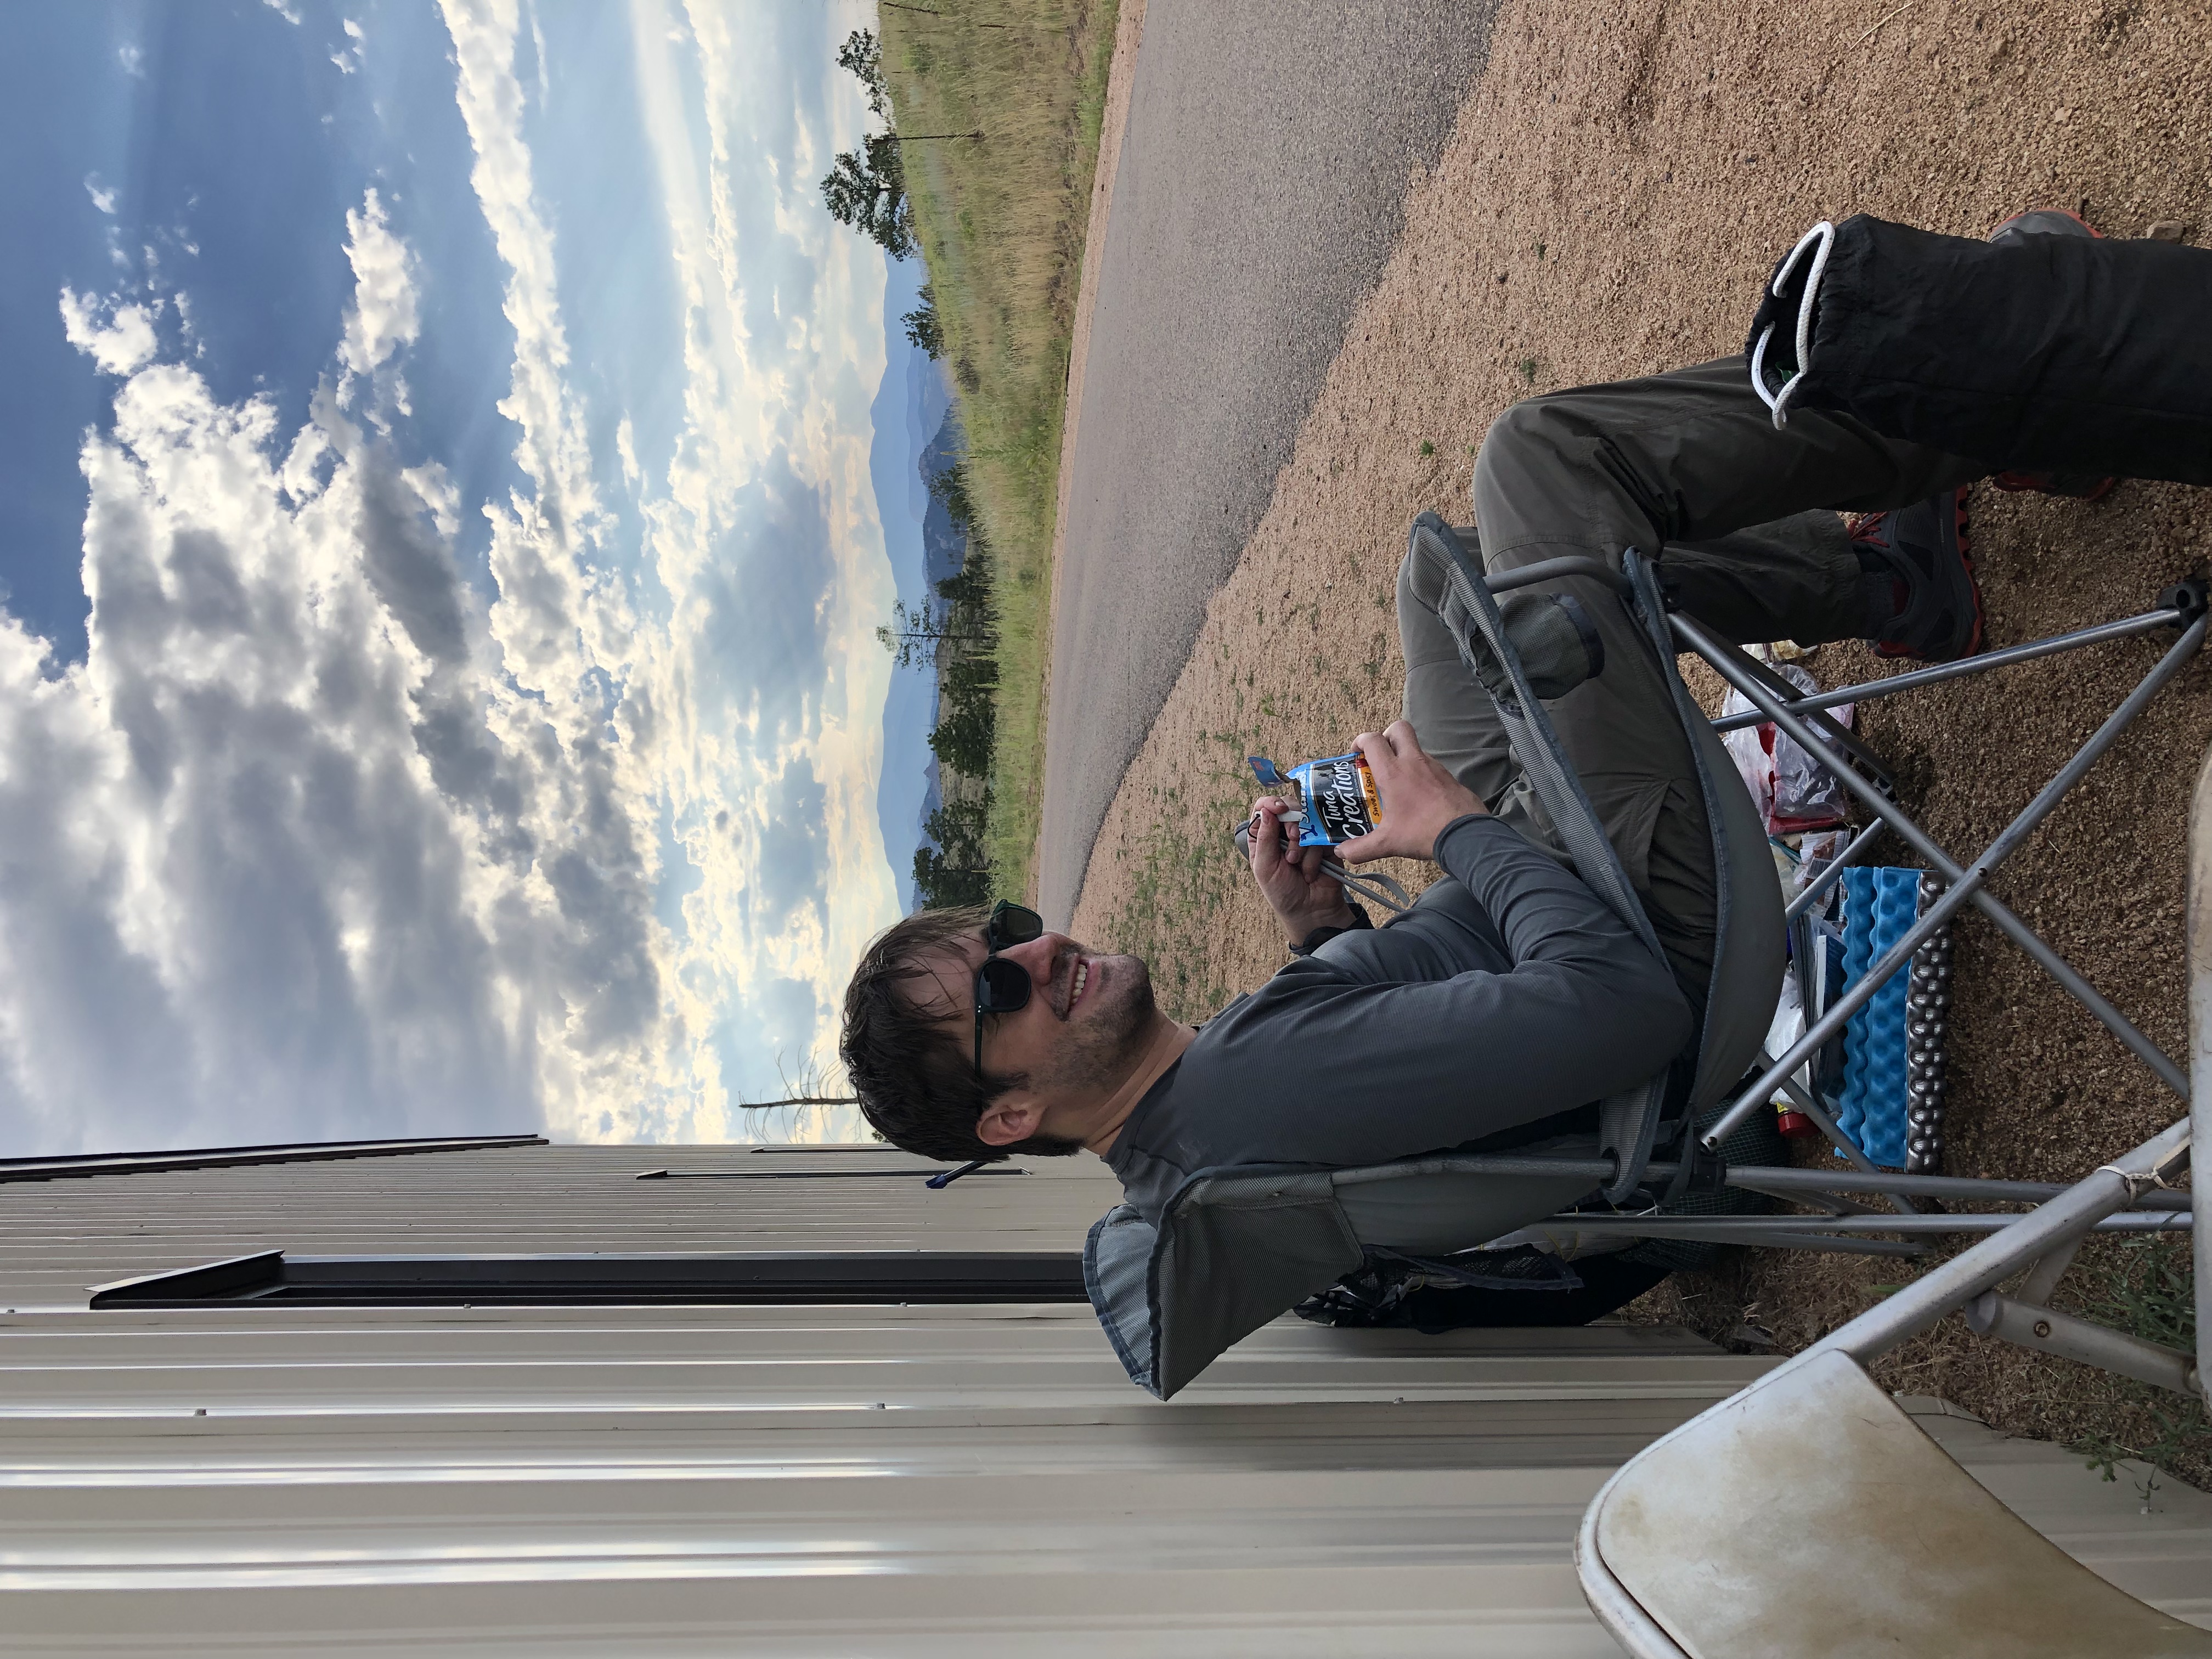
pixel 1794 791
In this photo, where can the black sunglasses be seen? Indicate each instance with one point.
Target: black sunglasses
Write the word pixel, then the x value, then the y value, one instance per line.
pixel 1001 987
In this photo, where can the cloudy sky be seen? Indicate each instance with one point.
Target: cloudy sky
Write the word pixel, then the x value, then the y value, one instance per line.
pixel 451 470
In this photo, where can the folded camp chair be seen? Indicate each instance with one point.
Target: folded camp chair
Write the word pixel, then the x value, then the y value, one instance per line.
pixel 1238 1246
pixel 1870 1540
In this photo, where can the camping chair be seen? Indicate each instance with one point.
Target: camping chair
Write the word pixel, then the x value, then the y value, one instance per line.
pixel 1830 1464
pixel 1238 1246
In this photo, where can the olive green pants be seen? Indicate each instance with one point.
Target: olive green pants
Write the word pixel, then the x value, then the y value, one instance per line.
pixel 1744 519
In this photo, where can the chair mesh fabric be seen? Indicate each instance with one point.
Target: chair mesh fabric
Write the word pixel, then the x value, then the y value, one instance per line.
pixel 1756 1143
pixel 1424 1205
pixel 1236 1249
pixel 1627 1122
pixel 1747 926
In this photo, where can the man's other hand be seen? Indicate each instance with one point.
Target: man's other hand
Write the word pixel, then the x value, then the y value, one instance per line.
pixel 1291 879
pixel 1419 797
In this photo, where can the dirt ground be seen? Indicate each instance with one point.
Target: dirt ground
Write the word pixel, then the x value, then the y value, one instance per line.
pixel 1619 183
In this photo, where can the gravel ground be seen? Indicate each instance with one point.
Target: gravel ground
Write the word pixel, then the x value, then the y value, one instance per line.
pixel 1615 189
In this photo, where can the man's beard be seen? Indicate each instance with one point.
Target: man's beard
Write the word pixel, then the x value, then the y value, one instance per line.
pixel 1106 1045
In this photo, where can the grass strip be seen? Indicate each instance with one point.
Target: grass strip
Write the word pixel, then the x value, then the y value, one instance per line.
pixel 1001 221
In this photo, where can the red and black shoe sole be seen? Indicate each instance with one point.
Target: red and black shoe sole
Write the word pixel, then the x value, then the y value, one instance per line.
pixel 2070 486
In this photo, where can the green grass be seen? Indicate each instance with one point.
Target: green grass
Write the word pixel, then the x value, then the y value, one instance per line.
pixel 1001 221
pixel 1185 881
pixel 2145 1288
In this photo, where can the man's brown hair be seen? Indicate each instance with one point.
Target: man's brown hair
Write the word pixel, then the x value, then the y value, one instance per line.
pixel 916 1081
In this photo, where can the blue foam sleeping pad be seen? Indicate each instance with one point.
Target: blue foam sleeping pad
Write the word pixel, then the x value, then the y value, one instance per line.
pixel 1879 906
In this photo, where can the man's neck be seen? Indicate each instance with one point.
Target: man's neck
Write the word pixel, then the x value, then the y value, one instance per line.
pixel 1164 1047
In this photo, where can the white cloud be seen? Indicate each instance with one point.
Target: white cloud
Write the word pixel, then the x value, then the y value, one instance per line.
pixel 541 66
pixel 773 461
pixel 102 199
pixel 120 344
pixel 132 58
pixel 305 848
pixel 383 317
pixel 315 842
pixel 554 450
pixel 438 495
pixel 347 57
pixel 566 622
pixel 626 452
pixel 319 841
pixel 284 9
pixel 282 853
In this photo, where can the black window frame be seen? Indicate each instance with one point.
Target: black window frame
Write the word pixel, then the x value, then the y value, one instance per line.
pixel 738 1278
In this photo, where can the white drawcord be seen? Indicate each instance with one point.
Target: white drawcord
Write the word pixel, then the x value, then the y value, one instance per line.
pixel 1778 402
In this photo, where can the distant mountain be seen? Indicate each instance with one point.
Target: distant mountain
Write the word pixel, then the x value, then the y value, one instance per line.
pixel 930 803
pixel 945 550
pixel 908 410
pixel 945 547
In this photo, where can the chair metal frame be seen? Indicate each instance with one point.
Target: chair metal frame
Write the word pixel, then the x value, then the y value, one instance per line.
pixel 2137 1191
pixel 2038 1246
pixel 2134 1194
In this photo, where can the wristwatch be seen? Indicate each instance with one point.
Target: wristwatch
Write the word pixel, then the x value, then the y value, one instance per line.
pixel 1320 936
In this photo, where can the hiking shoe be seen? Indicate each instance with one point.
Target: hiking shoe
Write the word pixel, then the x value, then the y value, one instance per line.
pixel 2043 222
pixel 2075 486
pixel 2051 222
pixel 1923 551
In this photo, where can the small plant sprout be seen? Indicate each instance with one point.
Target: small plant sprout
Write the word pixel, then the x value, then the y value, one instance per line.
pixel 1427 448
pixel 1528 366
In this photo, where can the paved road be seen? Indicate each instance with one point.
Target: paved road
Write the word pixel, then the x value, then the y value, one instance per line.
pixel 1260 190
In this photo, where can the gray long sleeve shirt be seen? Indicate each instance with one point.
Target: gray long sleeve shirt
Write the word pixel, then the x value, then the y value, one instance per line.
pixel 1507 995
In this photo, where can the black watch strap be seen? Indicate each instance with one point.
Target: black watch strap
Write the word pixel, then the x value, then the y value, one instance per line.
pixel 1320 936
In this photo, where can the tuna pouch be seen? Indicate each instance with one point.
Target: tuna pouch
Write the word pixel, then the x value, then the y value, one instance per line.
pixel 1333 801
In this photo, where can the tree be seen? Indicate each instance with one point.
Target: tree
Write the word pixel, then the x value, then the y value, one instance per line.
pixel 921 325
pixel 970 678
pixel 957 871
pixel 866 190
pixel 863 54
pixel 810 1088
pixel 914 637
pixel 798 1100
pixel 956 827
pixel 939 883
pixel 966 728
pixel 950 485
pixel 967 590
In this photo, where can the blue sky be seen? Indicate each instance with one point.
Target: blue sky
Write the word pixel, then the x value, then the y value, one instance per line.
pixel 451 471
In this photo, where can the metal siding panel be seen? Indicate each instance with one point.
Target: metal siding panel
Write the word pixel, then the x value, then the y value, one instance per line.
pixel 925 1481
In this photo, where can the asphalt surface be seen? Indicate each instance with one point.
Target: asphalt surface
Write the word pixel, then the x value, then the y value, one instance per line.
pixel 1260 190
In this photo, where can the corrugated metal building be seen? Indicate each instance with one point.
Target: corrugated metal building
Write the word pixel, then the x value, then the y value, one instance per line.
pixel 972 1477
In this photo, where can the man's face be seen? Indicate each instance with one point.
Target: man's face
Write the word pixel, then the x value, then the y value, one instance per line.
pixel 1084 1026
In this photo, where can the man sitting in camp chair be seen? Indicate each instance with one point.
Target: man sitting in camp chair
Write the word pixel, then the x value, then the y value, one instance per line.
pixel 1509 997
